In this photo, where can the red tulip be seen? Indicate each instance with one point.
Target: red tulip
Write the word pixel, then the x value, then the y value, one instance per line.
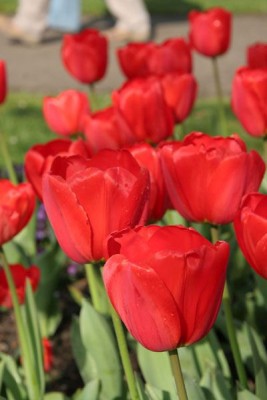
pixel 16 208
pixel 148 157
pixel 172 56
pixel 166 283
pixel 64 113
pixel 180 93
pixel 139 60
pixel 84 55
pixel 142 104
pixel 206 176
pixel 20 275
pixel 39 158
pixel 47 354
pixel 133 59
pixel 210 31
pixel 3 81
pixel 257 55
pixel 86 200
pixel 251 231
pixel 107 129
pixel 249 97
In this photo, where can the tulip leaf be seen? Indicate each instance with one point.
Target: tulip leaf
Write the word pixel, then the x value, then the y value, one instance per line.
pixel 50 263
pixel 156 369
pixel 193 391
pixel 246 395
pixel 33 331
pixel 208 353
pixel 259 361
pixel 214 385
pixel 157 372
pixel 89 392
pixel 86 365
pixel 55 396
pixel 97 338
pixel 10 380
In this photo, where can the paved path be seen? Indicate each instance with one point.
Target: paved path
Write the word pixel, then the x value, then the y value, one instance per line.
pixel 39 68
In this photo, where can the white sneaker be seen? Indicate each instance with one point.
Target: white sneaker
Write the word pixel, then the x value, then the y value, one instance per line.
pixel 116 34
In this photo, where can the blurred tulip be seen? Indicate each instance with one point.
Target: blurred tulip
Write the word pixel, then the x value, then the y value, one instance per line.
pixel 251 231
pixel 86 200
pixel 249 97
pixel 39 158
pixel 133 59
pixel 16 208
pixel 107 129
pixel 139 60
pixel 20 275
pixel 64 113
pixel 47 354
pixel 173 55
pixel 142 104
pixel 257 55
pixel 180 92
pixel 84 55
pixel 148 157
pixel 3 81
pixel 210 31
pixel 206 176
pixel 166 283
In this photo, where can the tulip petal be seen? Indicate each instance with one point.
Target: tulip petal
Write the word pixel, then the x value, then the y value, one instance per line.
pixel 68 218
pixel 144 303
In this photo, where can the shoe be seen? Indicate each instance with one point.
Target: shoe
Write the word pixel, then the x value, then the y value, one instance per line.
pixel 116 34
pixel 14 33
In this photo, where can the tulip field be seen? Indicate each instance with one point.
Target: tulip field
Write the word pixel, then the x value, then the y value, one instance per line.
pixel 134 232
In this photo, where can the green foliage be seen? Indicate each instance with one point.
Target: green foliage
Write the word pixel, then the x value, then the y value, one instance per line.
pixel 181 7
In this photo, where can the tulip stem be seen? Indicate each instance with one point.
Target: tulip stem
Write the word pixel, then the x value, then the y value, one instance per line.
pixel 177 374
pixel 124 353
pixel 92 279
pixel 25 345
pixel 219 96
pixel 93 97
pixel 230 326
pixel 7 159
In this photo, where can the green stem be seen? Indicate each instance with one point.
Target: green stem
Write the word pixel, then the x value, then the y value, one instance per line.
pixel 230 326
pixel 177 374
pixel 93 97
pixel 7 159
pixel 219 96
pixel 265 149
pixel 29 368
pixel 125 357
pixel 91 275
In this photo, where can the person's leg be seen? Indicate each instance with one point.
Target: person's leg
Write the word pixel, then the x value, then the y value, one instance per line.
pixel 29 22
pixel 31 16
pixel 132 17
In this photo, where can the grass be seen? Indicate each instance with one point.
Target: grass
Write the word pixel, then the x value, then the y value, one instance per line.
pixel 23 124
pixel 179 7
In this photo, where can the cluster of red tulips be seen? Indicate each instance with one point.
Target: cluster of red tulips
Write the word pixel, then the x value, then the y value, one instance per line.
pixel 110 178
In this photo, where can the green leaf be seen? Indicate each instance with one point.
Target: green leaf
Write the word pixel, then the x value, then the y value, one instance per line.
pixel 156 368
pixel 246 395
pixel 51 263
pixel 215 386
pixel 11 379
pixel 98 339
pixel 90 391
pixel 259 361
pixel 33 330
pixel 86 364
pixel 157 394
pixel 55 396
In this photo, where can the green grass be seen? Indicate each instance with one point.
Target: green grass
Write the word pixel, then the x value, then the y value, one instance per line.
pixel 23 124
pixel 179 7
